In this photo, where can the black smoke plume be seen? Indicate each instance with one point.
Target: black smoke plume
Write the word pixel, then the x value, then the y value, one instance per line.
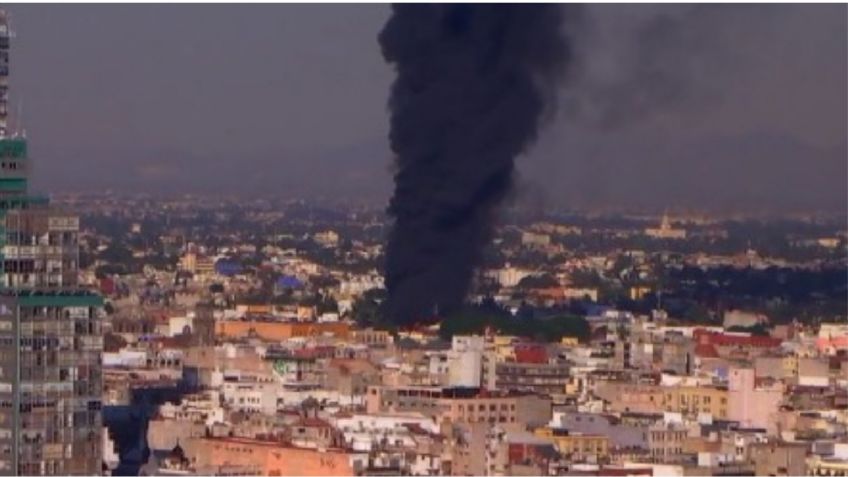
pixel 473 86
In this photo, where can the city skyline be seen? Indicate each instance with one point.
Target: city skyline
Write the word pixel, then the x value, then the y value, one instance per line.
pixel 158 323
pixel 721 107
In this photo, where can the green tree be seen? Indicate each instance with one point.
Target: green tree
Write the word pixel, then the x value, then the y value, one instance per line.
pixel 475 320
pixel 586 279
pixel 367 310
pixel 538 281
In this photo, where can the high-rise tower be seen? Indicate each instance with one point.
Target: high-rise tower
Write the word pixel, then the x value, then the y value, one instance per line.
pixel 50 339
pixel 5 34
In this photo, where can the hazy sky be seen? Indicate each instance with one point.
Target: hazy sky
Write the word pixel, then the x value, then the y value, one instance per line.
pixel 718 106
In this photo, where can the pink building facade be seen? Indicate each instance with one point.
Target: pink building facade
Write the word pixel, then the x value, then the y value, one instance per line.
pixel 751 404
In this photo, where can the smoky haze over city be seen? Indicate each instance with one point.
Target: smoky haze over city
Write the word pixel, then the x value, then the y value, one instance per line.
pixel 423 239
pixel 713 107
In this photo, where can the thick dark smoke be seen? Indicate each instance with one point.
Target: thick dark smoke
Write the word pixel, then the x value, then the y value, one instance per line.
pixel 474 83
pixel 633 62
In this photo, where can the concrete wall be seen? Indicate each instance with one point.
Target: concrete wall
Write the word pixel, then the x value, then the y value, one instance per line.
pixel 751 406
pixel 275 331
pixel 619 435
pixel 270 458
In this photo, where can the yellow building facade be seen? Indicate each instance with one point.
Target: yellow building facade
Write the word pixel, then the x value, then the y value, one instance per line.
pixel 578 447
pixel 694 400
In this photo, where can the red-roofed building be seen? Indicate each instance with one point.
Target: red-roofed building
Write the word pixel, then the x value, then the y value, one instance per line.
pixel 702 336
pixel 539 454
pixel 314 432
pixel 531 353
pixel 107 286
pixel 705 351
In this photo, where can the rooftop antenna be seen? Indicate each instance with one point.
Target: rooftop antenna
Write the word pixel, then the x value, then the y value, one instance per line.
pixel 7 34
pixel 19 119
pixel 665 223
